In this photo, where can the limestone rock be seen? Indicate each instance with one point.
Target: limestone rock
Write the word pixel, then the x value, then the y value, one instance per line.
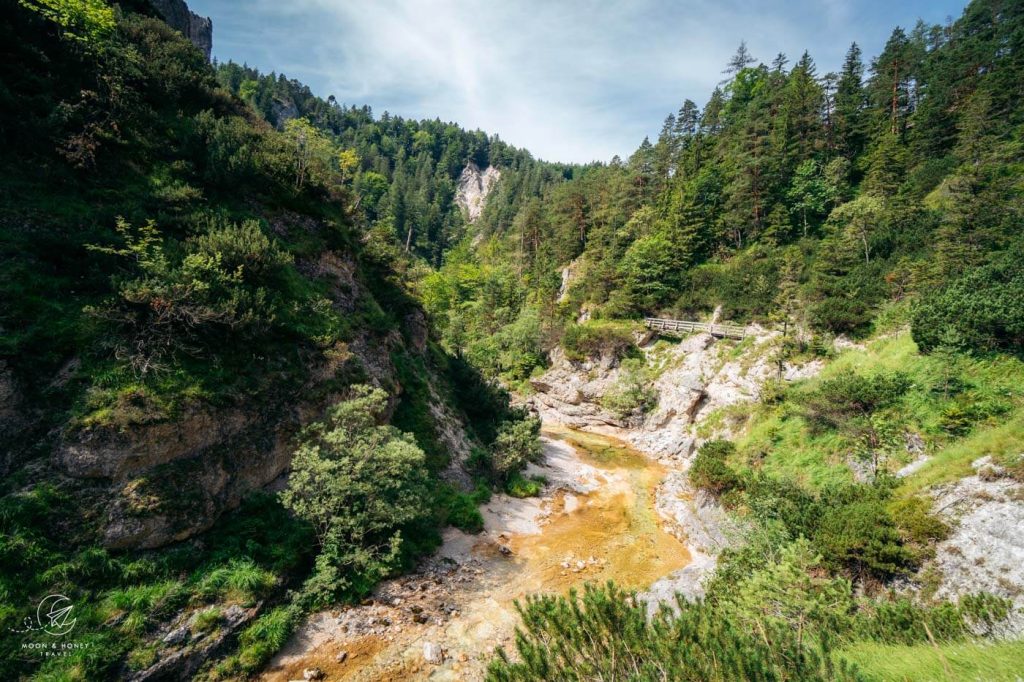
pixel 194 27
pixel 474 186
pixel 985 551
pixel 433 653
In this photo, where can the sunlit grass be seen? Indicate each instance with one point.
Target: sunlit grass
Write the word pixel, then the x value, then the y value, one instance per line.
pixel 958 662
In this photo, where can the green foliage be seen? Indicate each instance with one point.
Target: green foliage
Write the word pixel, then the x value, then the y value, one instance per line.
pixel 259 642
pixel 85 21
pixel 794 592
pixel 460 509
pixel 515 445
pixel 520 486
pixel 709 470
pixel 904 621
pixel 981 311
pixel 837 402
pixel 605 634
pixel 599 339
pixel 357 484
pixel 633 393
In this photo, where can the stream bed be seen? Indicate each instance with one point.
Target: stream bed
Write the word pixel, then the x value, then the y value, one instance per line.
pixel 595 522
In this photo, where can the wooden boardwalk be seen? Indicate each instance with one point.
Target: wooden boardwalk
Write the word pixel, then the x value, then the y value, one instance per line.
pixel 724 331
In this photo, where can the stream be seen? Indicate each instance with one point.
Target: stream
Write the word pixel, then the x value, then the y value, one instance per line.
pixel 594 522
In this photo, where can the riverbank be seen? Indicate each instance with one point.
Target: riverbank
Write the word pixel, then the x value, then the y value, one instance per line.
pixel 597 520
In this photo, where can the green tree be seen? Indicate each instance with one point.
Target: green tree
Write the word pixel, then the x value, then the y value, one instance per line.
pixel 89 22
pixel 859 220
pixel 357 483
pixel 516 445
pixel 809 194
pixel 794 592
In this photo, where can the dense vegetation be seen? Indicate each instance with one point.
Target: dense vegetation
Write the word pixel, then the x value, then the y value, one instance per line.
pixel 816 198
pixel 857 203
pixel 165 253
pixel 171 235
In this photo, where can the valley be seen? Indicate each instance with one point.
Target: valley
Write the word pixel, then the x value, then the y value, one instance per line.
pixel 295 388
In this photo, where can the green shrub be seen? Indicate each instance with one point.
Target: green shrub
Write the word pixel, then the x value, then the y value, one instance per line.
pixel 632 393
pixel 520 486
pixel 981 311
pixel 838 401
pixel 598 339
pixel 459 509
pixel 860 535
pixel 516 444
pixel 605 634
pixel 904 621
pixel 709 470
pixel 358 484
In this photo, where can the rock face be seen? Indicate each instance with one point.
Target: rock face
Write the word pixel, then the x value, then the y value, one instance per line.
pixel 189 650
pixel 474 186
pixel 194 27
pixel 695 378
pixel 985 551
pixel 169 479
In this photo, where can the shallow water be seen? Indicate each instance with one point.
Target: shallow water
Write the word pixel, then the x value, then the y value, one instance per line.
pixel 598 523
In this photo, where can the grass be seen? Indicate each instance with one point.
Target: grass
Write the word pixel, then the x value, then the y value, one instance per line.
pixel 956 662
pixel 777 439
pixel 122 600
pixel 520 486
pixel 954 460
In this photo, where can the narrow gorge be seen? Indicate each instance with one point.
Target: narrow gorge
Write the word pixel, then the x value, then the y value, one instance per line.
pixel 299 388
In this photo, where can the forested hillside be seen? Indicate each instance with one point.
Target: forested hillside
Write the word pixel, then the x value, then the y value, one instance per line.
pixel 820 198
pixel 192 303
pixel 405 172
pixel 255 356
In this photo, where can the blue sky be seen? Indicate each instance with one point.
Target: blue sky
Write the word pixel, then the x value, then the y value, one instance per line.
pixel 570 80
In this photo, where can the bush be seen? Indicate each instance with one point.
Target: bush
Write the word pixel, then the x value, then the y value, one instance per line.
pixel 980 312
pixel 860 535
pixel 709 470
pixel 358 484
pixel 838 402
pixel 605 634
pixel 516 444
pixel 904 621
pixel 520 486
pixel 460 509
pixel 632 394
pixel 598 339
pixel 229 287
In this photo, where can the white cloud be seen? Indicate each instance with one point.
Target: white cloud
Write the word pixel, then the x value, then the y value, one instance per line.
pixel 571 80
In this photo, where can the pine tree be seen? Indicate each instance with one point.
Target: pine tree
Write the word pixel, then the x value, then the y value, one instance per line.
pixel 848 118
pixel 739 61
pixel 803 103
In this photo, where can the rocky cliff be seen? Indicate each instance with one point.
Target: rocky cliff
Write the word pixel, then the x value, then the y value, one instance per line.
pixel 693 380
pixel 474 186
pixel 169 479
pixel 194 27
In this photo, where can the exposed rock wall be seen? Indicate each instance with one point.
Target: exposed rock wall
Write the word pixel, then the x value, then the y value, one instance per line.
pixel 697 377
pixel 985 551
pixel 474 186
pixel 170 479
pixel 194 27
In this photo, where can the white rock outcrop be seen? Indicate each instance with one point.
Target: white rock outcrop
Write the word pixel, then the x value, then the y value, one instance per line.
pixel 474 186
pixel 697 376
pixel 985 551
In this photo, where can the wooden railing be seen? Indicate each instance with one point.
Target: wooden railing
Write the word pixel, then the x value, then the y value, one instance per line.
pixel 727 331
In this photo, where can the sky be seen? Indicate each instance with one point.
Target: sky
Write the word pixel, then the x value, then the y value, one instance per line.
pixel 570 80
